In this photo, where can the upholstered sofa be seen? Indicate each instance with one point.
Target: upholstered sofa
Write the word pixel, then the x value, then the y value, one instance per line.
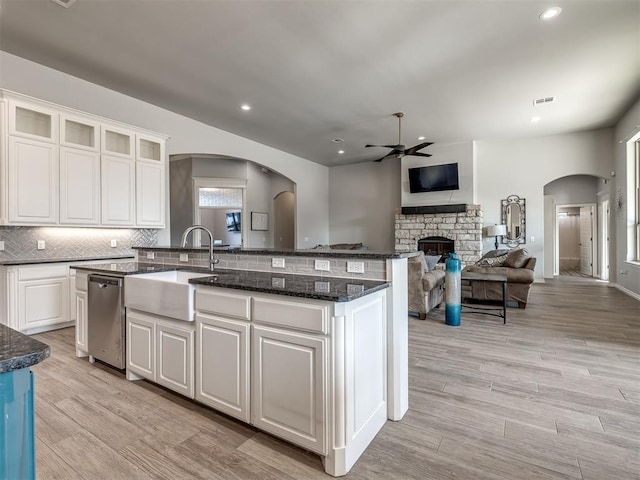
pixel 426 285
pixel 518 267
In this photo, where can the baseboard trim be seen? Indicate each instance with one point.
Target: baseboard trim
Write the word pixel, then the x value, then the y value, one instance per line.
pixel 627 291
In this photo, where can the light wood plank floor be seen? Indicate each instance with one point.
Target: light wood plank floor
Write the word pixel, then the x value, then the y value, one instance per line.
pixel 555 393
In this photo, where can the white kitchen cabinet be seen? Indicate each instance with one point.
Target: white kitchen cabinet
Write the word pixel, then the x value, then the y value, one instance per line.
pixel 33 121
pixel 289 386
pixel 150 194
pixel 82 308
pixel 118 191
pixel 32 182
pixel 174 357
pixel 43 298
pixel 116 141
pixel 79 132
pixel 141 345
pixel 79 187
pixel 150 148
pixel 222 364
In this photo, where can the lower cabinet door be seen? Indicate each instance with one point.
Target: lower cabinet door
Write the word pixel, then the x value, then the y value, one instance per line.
pixel 222 365
pixel 174 358
pixel 81 308
pixel 141 339
pixel 289 392
pixel 43 303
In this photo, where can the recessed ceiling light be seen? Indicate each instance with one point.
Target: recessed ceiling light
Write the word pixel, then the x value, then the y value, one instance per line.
pixel 550 13
pixel 421 138
pixel 535 119
pixel 64 3
pixel 340 152
pixel 246 107
pixel 337 140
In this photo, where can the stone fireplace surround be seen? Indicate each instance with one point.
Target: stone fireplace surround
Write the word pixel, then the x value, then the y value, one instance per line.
pixel 464 228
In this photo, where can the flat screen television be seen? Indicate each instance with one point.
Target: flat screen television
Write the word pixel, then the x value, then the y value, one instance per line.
pixel 233 222
pixel 434 178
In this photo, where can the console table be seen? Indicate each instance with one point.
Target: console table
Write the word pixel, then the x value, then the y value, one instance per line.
pixel 488 277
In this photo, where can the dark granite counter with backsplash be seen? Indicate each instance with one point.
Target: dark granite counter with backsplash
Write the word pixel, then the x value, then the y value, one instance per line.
pixel 305 286
pixel 19 351
pixel 311 252
pixel 33 261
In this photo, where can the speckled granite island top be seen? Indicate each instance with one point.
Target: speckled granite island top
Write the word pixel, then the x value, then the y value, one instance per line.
pixel 305 286
pixel 311 252
pixel 320 288
pixel 19 351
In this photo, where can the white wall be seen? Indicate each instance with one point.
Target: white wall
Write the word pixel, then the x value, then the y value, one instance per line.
pixel 187 136
pixel 363 199
pixel 524 166
pixel 573 190
pixel 460 153
pixel 630 280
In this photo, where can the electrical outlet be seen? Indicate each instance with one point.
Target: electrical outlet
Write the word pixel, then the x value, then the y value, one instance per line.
pixel 277 282
pixel 41 245
pixel 1 245
pixel 151 255
pixel 184 257
pixel 324 265
pixel 355 267
pixel 277 262
pixel 322 287
pixel 114 243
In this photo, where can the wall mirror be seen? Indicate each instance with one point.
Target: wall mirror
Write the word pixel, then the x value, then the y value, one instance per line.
pixel 513 216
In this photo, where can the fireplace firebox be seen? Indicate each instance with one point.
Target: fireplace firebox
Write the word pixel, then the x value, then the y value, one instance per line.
pixel 437 246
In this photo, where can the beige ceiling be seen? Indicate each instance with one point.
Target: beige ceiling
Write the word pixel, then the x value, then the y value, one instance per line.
pixel 318 70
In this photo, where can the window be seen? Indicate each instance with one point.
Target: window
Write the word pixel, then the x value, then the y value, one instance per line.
pixel 630 209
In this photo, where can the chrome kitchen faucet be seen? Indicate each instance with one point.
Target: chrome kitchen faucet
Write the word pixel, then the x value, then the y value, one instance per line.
pixel 212 259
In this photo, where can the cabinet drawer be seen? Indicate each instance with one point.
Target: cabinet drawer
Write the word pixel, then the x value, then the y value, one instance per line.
pixel 36 273
pixel 298 315
pixel 227 304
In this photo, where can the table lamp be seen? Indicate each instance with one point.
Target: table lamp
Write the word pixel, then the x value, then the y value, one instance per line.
pixel 495 231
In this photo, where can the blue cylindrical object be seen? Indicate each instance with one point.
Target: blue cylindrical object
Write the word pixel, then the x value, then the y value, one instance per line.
pixel 452 291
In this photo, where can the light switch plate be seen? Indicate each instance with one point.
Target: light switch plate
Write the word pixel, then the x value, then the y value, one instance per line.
pixel 184 257
pixel 151 255
pixel 41 245
pixel 114 243
pixel 322 287
pixel 277 262
pixel 277 282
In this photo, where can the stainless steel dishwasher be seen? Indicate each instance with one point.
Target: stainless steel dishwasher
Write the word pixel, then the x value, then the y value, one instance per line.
pixel 106 320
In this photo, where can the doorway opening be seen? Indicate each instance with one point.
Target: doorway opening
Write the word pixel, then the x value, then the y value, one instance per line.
pixel 576 241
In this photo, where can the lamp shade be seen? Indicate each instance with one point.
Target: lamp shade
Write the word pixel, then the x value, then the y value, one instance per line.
pixel 495 230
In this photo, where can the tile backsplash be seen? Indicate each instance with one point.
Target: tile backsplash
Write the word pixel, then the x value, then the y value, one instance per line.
pixel 21 243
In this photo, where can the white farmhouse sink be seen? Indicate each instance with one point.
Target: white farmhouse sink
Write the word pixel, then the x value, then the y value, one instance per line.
pixel 164 293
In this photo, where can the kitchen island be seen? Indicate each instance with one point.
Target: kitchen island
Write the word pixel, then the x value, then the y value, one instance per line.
pixel 318 360
pixel 18 353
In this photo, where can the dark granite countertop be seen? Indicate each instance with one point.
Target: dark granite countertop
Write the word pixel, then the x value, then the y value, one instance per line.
pixel 312 252
pixel 19 351
pixel 33 261
pixel 305 286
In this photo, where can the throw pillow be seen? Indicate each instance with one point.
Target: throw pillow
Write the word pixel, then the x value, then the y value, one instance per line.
pixel 517 258
pixel 492 261
pixel 431 261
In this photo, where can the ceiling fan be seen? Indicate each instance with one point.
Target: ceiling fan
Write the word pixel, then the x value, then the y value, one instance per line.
pixel 401 150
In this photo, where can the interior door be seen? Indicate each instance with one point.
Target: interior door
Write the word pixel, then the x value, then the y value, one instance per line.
pixel 586 240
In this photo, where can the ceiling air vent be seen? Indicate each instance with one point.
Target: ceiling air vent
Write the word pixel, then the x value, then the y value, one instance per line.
pixel 542 101
pixel 64 3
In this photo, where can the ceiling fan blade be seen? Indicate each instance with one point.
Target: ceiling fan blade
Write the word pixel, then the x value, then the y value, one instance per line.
pixel 420 146
pixel 384 146
pixel 418 154
pixel 386 156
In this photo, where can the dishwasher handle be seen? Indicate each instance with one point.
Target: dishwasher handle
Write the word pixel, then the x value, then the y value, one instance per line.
pixel 104 281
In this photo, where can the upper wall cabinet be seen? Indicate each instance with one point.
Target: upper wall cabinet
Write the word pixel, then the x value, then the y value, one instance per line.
pixel 33 121
pixel 117 141
pixel 79 132
pixel 59 166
